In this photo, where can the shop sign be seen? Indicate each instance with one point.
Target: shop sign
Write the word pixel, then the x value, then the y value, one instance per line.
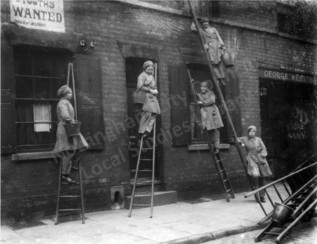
pixel 38 14
pixel 287 76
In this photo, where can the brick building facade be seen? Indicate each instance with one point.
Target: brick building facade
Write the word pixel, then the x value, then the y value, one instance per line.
pixel 124 34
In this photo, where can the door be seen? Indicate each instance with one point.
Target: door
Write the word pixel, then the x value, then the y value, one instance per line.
pixel 287 110
pixel 133 69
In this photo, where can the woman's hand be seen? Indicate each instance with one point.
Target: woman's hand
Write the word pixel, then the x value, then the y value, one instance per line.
pixel 241 143
pixel 206 46
pixel 154 91
pixel 193 27
pixel 68 120
pixel 200 102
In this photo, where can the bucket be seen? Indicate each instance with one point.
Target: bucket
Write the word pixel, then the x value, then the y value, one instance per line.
pixel 138 97
pixel 228 58
pixel 281 213
pixel 72 129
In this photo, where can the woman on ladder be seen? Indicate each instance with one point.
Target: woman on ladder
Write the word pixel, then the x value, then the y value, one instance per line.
pixel 151 107
pixel 69 149
pixel 210 116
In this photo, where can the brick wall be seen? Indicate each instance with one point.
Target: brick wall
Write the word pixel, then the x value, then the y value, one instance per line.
pixel 32 185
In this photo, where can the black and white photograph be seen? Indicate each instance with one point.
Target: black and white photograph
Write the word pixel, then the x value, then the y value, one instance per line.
pixel 158 121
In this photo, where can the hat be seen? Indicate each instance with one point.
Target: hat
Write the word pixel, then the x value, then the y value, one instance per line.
pixel 204 19
pixel 208 83
pixel 63 90
pixel 147 64
pixel 251 127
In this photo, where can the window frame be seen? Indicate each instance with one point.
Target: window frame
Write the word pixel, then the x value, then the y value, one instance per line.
pixel 224 135
pixel 24 123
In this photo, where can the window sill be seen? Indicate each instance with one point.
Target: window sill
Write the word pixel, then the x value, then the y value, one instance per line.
pixel 205 146
pixel 33 156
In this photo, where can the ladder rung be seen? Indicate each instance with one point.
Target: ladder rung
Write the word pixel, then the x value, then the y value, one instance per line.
pixel 272 233
pixel 295 203
pixel 229 190
pixel 146 159
pixel 69 209
pixel 147 148
pixel 69 196
pixel 142 170
pixel 143 195
pixel 141 205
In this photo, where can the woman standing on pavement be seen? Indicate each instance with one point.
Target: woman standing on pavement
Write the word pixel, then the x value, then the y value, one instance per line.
pixel 147 83
pixel 258 167
pixel 69 149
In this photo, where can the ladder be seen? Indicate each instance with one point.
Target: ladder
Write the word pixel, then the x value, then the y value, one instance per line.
pixel 70 75
pixel 64 195
pixel 145 160
pixel 221 171
pixel 302 201
pixel 216 157
pixel 220 95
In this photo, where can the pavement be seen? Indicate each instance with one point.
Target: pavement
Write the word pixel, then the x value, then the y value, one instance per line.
pixel 195 221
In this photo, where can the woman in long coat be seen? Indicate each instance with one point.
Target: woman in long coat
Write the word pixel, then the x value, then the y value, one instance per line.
pixel 151 107
pixel 215 47
pixel 258 167
pixel 69 149
pixel 210 116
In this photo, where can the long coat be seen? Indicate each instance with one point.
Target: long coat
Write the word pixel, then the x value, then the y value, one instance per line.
pixel 145 83
pixel 210 116
pixel 65 112
pixel 214 43
pixel 256 157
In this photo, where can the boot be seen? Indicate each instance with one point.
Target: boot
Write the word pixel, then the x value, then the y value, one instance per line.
pixel 67 180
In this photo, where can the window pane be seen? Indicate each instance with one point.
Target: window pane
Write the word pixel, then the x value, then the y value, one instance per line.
pixel 42 88
pixel 41 65
pixel 24 87
pixel 197 133
pixel 22 63
pixel 24 111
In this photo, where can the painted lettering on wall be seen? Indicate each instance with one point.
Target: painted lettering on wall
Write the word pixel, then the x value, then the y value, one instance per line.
pixel 38 14
pixel 287 76
pixel 296 128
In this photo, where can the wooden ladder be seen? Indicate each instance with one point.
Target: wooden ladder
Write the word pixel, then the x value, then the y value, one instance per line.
pixel 142 149
pixel 70 196
pixel 302 202
pixel 221 171
pixel 220 96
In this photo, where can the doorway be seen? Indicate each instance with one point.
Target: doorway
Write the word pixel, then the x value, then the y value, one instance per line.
pixel 287 111
pixel 134 67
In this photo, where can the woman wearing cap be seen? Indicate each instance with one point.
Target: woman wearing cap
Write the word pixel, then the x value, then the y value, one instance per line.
pixel 151 108
pixel 258 167
pixel 67 148
pixel 215 47
pixel 210 116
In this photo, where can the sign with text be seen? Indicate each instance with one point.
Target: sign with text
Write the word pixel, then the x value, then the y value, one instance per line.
pixel 287 76
pixel 38 14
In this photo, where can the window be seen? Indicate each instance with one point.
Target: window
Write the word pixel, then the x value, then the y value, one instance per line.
pixel 201 73
pixel 38 73
pixel 185 117
pixel 298 18
pixel 207 8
